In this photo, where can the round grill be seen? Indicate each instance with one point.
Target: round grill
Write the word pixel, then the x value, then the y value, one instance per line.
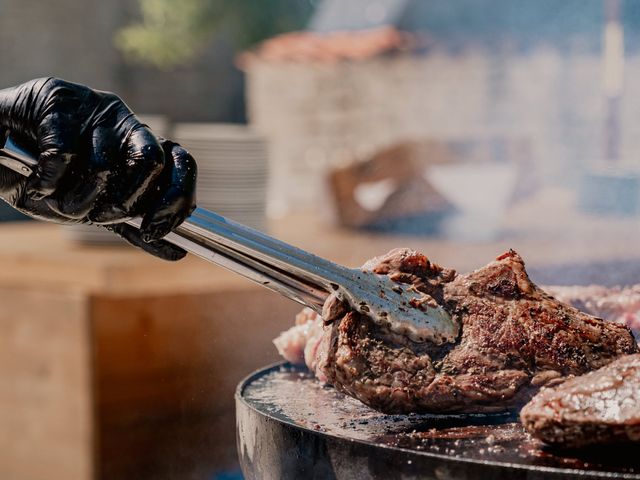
pixel 291 426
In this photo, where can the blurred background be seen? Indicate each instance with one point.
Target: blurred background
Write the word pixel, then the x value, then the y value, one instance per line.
pixel 346 127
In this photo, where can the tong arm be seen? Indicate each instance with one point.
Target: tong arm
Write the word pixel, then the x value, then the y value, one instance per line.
pixel 299 275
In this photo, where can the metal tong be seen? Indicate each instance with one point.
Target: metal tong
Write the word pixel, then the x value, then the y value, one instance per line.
pixel 290 271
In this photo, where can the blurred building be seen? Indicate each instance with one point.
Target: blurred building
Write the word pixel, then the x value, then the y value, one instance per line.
pixel 74 40
pixel 404 69
pixel 439 70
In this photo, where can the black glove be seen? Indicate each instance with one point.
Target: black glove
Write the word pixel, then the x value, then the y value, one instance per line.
pixel 98 164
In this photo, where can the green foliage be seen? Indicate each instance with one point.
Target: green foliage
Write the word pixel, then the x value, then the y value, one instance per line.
pixel 172 32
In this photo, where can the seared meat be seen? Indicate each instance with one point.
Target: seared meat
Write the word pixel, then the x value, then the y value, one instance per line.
pixel 616 304
pixel 514 339
pixel 599 407
pixel 301 343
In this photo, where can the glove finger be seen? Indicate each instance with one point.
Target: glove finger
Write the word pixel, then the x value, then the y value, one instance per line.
pixel 34 208
pixel 129 178
pixel 160 248
pixel 10 181
pixel 75 201
pixel 57 141
pixel 177 193
pixel 78 192
pixel 11 185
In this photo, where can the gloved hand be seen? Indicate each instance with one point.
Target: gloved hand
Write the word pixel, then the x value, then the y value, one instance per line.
pixel 97 164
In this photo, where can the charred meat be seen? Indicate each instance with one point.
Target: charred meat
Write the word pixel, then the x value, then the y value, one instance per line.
pixel 596 408
pixel 515 338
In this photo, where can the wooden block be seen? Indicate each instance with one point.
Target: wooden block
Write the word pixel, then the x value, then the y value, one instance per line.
pixel 166 369
pixel 46 396
pixel 128 386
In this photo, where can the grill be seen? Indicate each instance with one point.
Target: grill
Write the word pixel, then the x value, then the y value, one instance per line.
pixel 289 426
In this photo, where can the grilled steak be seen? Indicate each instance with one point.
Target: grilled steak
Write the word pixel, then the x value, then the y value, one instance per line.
pixel 514 339
pixel 599 407
pixel 616 304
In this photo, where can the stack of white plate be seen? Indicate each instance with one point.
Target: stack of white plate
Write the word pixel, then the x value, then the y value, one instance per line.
pixel 232 169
